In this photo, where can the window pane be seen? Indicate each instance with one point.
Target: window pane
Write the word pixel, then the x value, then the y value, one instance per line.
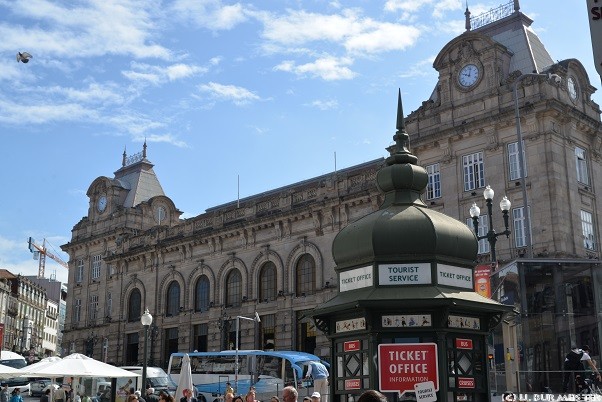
pixel 587 227
pixel 514 162
pixel 582 175
pixel 134 305
pixel 518 220
pixel 267 282
pixel 433 189
pixel 474 171
pixel 202 294
pixel 306 275
pixel 233 288
pixel 173 298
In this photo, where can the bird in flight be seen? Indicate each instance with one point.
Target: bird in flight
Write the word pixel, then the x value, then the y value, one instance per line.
pixel 23 57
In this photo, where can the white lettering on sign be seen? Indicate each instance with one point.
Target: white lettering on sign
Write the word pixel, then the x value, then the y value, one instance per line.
pixel 404 274
pixel 356 278
pixel 454 276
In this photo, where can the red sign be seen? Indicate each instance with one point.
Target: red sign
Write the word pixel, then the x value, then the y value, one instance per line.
pixel 351 346
pixel 352 384
pixel 401 365
pixel 465 382
pixel 482 284
pixel 463 343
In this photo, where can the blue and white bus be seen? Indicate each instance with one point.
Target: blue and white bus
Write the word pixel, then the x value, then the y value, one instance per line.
pixel 269 372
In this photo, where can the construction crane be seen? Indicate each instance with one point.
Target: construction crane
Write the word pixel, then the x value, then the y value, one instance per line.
pixel 40 252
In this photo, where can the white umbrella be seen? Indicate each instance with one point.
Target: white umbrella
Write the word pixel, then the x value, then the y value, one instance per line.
pixel 185 381
pixel 77 365
pixel 9 372
pixel 36 366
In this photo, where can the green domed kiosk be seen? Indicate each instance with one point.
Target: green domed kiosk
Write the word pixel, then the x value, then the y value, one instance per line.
pixel 407 319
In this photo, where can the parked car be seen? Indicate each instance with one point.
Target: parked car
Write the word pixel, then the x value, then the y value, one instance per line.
pixel 38 386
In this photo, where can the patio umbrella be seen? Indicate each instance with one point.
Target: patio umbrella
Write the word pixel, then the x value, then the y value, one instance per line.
pixel 9 372
pixel 185 381
pixel 42 363
pixel 77 365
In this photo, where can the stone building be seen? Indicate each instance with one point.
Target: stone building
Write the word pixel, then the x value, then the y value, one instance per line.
pixel 271 253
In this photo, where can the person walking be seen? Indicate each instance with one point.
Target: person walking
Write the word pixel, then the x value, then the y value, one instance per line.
pixel 188 397
pixel 319 373
pixel 16 396
pixel 4 394
pixel 372 396
pixel 150 395
pixel 45 396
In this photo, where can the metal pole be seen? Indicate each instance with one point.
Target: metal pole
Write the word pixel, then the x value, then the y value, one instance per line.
pixel 144 361
pixel 236 358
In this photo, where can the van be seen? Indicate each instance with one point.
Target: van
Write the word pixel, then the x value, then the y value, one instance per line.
pixel 155 377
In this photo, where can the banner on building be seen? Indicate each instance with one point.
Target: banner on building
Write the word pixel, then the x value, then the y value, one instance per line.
pixel 482 282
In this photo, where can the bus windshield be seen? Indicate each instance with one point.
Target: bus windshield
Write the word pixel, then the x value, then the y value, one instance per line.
pixel 268 372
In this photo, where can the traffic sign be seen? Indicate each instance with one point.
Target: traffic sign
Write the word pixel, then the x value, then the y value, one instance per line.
pixel 594 11
pixel 403 365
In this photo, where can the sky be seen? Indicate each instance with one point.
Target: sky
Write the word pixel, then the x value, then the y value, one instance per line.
pixel 232 98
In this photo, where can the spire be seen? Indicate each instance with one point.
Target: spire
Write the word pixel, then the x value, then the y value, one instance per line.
pixel 516 6
pixel 123 159
pixel 467 15
pixel 144 149
pixel 401 153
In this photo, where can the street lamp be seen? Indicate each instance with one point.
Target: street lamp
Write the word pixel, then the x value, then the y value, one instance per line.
pixel 146 320
pixel 521 159
pixel 491 235
pixel 238 318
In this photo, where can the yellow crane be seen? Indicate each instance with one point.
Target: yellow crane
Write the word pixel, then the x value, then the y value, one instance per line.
pixel 40 252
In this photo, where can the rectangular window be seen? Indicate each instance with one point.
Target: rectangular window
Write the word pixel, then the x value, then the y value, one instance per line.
pixel 433 189
pixel 582 176
pixel 483 229
pixel 514 162
pixel 518 220
pixel 79 273
pixel 474 171
pixel 587 227
pixel 77 310
pixel 201 338
pixel 96 260
pixel 93 312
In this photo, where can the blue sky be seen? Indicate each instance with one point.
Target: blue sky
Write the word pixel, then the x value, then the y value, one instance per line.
pixel 262 92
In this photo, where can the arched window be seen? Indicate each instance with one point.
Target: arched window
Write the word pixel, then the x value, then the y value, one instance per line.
pixel 233 288
pixel 201 294
pixel 173 299
pixel 305 275
pixel 134 305
pixel 267 282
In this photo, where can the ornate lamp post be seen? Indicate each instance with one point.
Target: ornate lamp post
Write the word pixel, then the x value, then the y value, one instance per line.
pixel 238 318
pixel 491 235
pixel 146 320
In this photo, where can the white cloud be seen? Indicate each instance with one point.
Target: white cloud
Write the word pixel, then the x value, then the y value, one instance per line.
pixel 233 93
pixel 421 69
pixel 96 28
pixel 327 68
pixel 15 113
pixel 109 93
pixel 142 72
pixel 406 5
pixel 443 8
pixel 210 14
pixel 383 37
pixel 324 104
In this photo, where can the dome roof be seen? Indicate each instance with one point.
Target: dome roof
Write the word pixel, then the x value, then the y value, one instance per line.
pixel 404 229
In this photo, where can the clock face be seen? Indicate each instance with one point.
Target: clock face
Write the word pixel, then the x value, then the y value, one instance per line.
pixel 468 75
pixel 101 205
pixel 572 88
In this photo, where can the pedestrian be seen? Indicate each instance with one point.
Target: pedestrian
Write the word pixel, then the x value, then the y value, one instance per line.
pixel 16 396
pixel 59 395
pixel 150 395
pixel 45 396
pixel 250 397
pixel 187 396
pixel 229 397
pixel 274 399
pixel 289 394
pixel 306 399
pixel 229 389
pixel 372 396
pixel 77 397
pixel 315 397
pixel 319 373
pixel 139 396
pixel 86 398
pixel 4 394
